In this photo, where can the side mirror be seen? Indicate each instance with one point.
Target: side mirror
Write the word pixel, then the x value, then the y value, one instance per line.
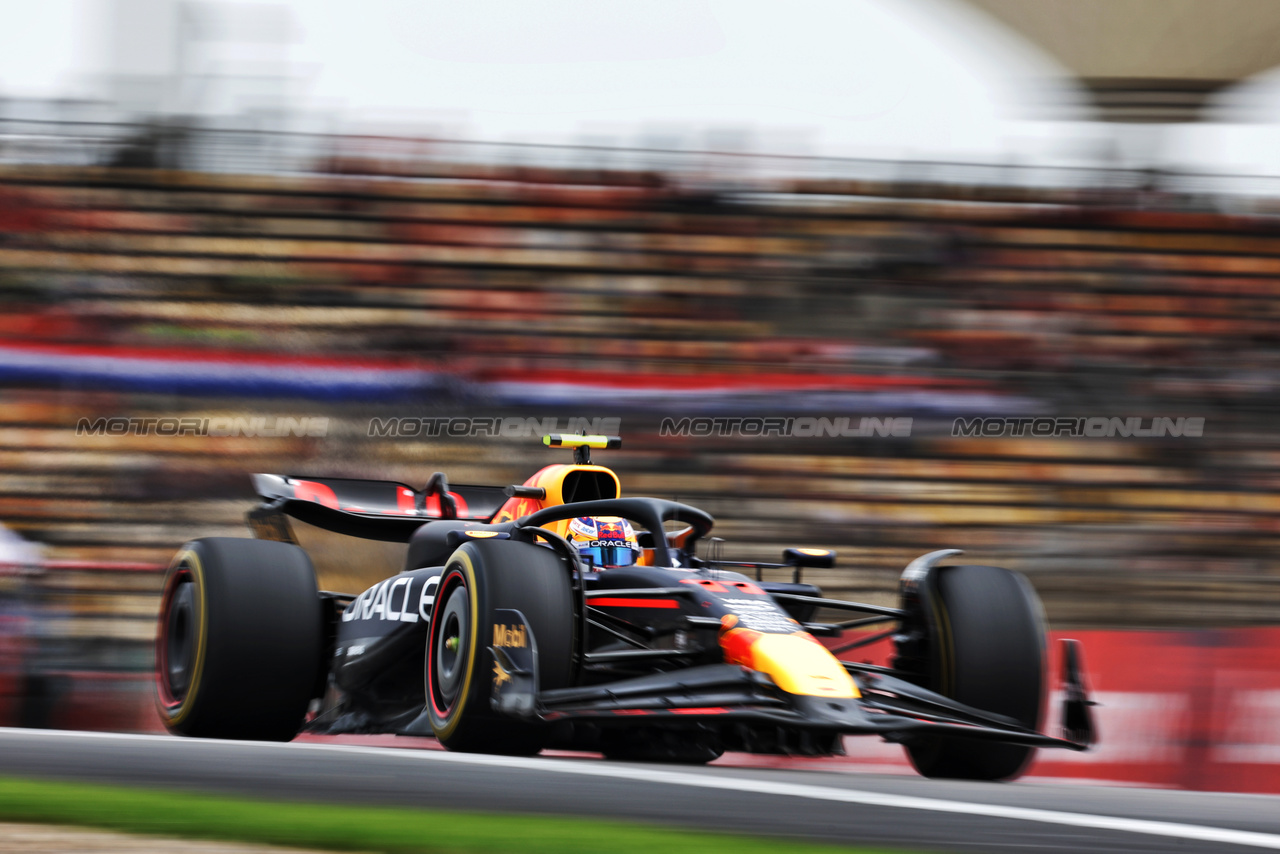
pixel 816 558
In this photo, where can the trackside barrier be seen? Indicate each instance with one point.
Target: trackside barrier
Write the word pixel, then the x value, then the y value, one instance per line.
pixel 73 645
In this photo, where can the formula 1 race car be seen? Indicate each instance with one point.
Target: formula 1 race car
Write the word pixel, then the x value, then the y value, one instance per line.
pixel 508 632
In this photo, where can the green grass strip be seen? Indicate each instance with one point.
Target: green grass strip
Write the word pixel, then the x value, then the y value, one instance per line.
pixel 357 828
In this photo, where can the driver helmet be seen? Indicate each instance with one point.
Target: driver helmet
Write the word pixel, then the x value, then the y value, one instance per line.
pixel 605 540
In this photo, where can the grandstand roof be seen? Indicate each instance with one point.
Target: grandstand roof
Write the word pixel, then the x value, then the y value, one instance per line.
pixel 1150 60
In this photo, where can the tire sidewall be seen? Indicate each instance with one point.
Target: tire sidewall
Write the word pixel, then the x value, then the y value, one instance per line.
pixel 501 574
pixel 185 568
pixel 459 571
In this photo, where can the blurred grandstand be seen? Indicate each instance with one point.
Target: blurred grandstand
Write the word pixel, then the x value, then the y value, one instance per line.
pixel 164 270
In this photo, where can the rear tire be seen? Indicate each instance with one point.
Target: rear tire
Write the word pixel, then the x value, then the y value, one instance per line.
pixel 240 640
pixel 987 641
pixel 480 578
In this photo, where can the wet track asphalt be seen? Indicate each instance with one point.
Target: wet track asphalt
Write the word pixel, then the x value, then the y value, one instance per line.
pixel 826 805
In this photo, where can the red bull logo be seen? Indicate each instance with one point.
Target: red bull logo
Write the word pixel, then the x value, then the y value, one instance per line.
pixel 610 531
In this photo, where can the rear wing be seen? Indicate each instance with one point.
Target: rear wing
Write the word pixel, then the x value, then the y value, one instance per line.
pixel 371 509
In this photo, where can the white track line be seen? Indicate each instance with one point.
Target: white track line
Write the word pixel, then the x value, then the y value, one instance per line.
pixel 1196 832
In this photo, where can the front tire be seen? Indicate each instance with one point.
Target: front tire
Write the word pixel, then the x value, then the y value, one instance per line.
pixel 240 640
pixel 480 578
pixel 986 635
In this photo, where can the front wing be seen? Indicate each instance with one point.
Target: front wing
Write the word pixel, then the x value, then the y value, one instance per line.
pixel 890 707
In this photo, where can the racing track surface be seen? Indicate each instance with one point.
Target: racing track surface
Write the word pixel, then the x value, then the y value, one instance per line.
pixel 817 804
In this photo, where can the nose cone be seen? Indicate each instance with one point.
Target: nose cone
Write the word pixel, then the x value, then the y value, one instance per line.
pixel 796 662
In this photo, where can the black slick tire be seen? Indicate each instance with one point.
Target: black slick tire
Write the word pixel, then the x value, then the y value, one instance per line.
pixel 987 636
pixel 240 640
pixel 480 578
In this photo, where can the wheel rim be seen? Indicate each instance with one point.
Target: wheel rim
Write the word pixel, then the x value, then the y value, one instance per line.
pixel 179 645
pixel 449 650
pixel 178 640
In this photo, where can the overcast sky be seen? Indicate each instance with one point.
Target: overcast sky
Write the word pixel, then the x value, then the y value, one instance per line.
pixel 880 78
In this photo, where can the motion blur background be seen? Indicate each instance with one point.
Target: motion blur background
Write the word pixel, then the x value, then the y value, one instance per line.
pixel 644 210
